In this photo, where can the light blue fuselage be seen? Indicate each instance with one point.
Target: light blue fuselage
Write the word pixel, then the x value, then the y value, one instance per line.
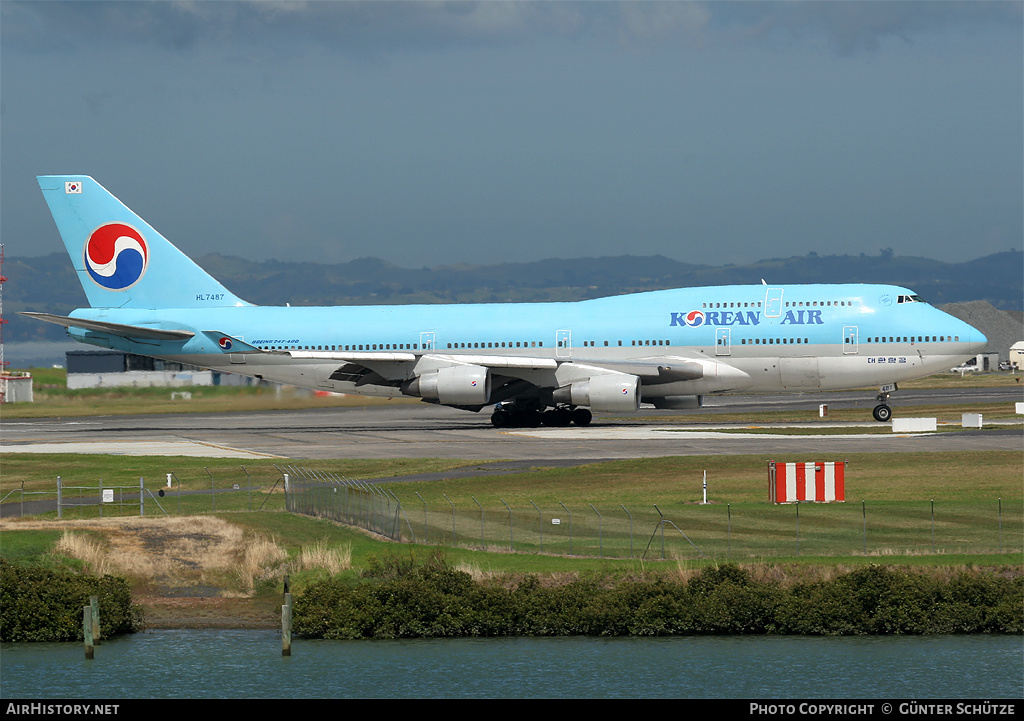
pixel 858 334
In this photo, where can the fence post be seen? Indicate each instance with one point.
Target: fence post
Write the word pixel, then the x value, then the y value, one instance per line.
pixel 94 605
pixel 142 496
pixel 600 537
pixel 87 631
pixel 286 626
pixel 864 514
pixel 248 483
pixel 570 525
pixel 540 525
pixel 482 544
pixel 511 545
pixel 728 520
pixel 59 499
pixel 424 515
pixel 453 517
pixel 630 529
pixel 213 490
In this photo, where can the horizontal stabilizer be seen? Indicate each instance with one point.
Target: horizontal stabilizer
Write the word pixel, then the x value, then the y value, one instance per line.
pixel 118 329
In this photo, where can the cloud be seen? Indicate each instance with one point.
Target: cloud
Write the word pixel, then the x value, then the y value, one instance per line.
pixel 382 27
pixel 341 25
pixel 849 28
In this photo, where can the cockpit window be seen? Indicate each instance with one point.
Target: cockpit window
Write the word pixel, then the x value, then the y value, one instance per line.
pixel 910 299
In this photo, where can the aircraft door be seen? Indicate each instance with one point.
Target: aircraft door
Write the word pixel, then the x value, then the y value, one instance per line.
pixel 850 339
pixel 773 303
pixel 563 343
pixel 722 336
pixel 427 340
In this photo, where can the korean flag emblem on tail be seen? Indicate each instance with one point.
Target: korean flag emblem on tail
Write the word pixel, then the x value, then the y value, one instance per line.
pixel 72 187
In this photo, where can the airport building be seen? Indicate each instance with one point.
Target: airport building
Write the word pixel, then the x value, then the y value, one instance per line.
pixel 111 369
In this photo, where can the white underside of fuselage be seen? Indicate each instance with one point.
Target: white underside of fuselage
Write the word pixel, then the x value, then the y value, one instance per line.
pixel 814 370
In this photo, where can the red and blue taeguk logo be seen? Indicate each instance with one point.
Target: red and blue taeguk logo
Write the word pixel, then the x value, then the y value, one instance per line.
pixel 224 343
pixel 694 318
pixel 116 256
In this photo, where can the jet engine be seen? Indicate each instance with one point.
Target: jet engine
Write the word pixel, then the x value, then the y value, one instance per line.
pixel 610 393
pixel 453 386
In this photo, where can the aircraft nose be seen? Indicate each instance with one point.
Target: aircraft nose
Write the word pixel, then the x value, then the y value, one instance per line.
pixel 978 340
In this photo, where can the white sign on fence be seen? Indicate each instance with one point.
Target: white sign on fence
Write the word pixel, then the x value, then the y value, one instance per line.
pixel 108 495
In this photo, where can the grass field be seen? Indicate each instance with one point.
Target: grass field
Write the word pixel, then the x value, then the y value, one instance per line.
pixel 919 508
pixel 924 509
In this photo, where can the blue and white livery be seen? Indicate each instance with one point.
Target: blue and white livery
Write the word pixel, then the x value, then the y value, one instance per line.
pixel 536 363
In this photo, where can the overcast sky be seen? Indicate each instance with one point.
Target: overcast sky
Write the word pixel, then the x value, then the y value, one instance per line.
pixel 441 133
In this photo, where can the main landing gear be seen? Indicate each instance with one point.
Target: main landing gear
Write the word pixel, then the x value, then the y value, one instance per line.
pixel 882 411
pixel 513 416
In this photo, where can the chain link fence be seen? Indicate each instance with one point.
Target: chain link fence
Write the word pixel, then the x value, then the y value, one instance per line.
pixel 692 531
pixel 570 527
pixel 227 490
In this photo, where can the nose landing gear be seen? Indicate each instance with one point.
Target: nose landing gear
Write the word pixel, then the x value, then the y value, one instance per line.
pixel 882 411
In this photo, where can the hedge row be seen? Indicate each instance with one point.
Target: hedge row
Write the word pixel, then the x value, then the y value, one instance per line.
pixel 39 604
pixel 406 600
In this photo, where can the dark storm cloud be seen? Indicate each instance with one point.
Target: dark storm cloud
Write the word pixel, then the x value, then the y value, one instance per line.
pixel 430 133
pixel 343 26
pixel 354 27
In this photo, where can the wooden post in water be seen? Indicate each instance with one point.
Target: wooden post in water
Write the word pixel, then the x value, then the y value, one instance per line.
pixel 87 630
pixel 286 626
pixel 94 604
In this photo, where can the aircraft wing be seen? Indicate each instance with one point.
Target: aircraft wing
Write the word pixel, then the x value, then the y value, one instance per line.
pixel 132 332
pixel 488 361
pixel 398 365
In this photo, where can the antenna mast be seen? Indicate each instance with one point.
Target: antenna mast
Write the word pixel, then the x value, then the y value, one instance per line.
pixel 3 321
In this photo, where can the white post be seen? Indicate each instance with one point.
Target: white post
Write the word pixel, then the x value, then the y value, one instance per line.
pixel 705 486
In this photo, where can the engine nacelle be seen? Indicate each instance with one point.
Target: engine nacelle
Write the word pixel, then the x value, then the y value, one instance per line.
pixel 453 386
pixel 612 393
pixel 678 402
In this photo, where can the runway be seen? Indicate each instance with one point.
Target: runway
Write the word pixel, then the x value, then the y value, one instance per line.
pixel 425 431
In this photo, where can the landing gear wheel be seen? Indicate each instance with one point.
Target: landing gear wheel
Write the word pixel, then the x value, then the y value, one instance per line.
pixel 582 417
pixel 882 413
pixel 501 419
pixel 559 417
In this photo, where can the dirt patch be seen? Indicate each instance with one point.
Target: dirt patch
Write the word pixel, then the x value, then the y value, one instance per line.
pixel 215 612
pixel 186 572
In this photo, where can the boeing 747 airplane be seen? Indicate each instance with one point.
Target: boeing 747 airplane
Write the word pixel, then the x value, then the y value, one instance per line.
pixel 536 363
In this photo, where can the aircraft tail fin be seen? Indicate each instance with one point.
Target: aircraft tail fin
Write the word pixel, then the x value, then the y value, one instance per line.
pixel 121 261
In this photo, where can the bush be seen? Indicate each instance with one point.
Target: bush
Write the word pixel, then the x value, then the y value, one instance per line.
pixel 38 604
pixel 400 598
